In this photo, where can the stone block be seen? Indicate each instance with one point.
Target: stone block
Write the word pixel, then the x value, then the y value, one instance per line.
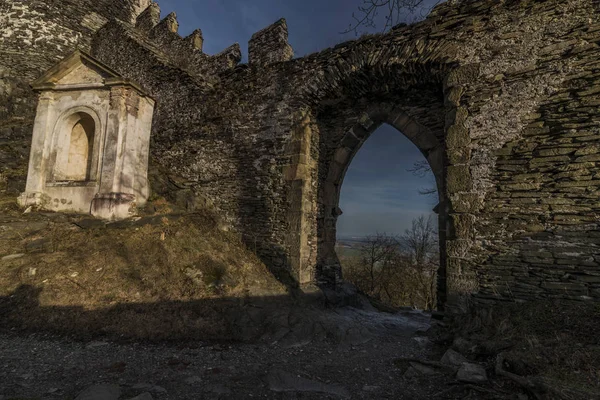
pixel 459 155
pixel 453 97
pixel 458 248
pixel 342 155
pixel 458 179
pixel 350 141
pixel 335 172
pixel 456 116
pixel 467 202
pixel 457 136
pixel 463 225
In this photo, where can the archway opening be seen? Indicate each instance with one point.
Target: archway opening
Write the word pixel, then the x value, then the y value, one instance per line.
pixel 387 237
pixel 393 207
pixel 75 162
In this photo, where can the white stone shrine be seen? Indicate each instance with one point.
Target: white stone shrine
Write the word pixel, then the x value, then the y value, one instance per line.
pixel 90 145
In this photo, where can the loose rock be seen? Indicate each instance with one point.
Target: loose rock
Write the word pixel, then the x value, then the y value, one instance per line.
pixel 422 369
pixel 453 358
pixel 143 396
pixel 462 345
pixel 149 387
pixel 100 392
pixel 471 373
pixel 280 381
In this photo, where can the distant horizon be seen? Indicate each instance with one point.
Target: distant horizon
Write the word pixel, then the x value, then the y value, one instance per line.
pixel 359 237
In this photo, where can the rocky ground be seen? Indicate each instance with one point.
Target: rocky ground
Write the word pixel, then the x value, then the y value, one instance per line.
pixel 365 358
pixel 65 274
pixel 128 304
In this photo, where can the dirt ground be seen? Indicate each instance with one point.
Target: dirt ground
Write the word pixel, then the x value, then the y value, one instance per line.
pixel 39 366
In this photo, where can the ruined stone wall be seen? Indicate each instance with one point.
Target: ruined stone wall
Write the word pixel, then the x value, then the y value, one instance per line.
pixel 499 96
pixel 505 89
pixel 524 225
pixel 544 194
pixel 34 35
pixel 222 129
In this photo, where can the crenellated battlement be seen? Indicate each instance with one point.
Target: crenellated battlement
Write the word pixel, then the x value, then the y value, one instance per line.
pixel 149 18
pixel 267 46
pixel 196 39
pixel 270 45
pixel 184 52
pixel 167 26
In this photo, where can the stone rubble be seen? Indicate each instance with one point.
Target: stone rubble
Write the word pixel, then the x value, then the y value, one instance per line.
pixel 100 392
pixel 471 373
pixel 453 358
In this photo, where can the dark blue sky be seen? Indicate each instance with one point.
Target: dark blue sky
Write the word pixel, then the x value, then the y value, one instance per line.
pixel 378 194
pixel 313 24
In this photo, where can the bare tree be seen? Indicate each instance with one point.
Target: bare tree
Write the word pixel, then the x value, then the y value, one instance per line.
pixel 376 255
pixel 422 169
pixel 398 270
pixel 420 243
pixel 394 11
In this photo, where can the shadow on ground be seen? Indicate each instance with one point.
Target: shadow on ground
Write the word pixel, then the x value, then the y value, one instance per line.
pixel 273 319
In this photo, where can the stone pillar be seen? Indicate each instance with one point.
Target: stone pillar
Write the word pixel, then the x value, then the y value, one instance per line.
pixel 298 175
pixel 110 203
pixel 124 183
pixel 40 151
pixel 461 281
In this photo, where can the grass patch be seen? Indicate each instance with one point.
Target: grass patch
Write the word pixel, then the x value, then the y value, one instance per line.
pixel 174 276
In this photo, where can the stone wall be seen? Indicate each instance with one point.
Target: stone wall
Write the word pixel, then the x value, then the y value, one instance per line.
pixel 524 95
pixel 499 96
pixel 269 142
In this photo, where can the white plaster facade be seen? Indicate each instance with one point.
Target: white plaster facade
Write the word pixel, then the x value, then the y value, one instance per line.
pixel 90 145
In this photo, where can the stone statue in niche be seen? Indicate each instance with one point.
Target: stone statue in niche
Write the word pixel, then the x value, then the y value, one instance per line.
pixel 90 143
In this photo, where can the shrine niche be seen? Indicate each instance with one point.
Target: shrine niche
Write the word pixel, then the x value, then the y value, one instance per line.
pixel 90 141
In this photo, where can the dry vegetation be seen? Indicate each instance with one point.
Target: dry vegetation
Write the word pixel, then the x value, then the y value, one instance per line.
pixel 550 348
pixel 163 276
pixel 398 270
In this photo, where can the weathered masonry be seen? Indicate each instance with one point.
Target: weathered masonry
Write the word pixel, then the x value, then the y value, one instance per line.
pixel 501 97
